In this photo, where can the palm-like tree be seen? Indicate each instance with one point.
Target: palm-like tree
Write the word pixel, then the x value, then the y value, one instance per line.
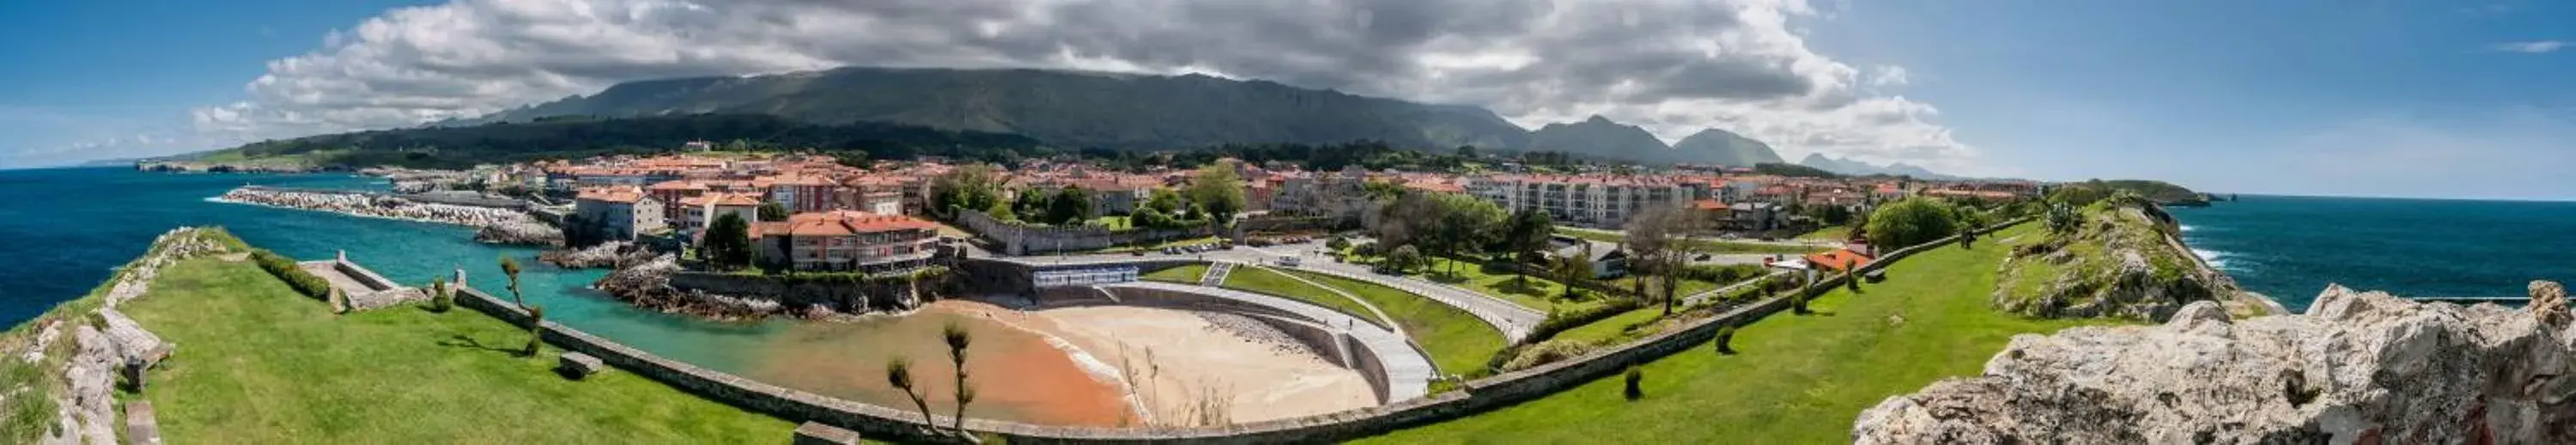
pixel 510 268
pixel 958 339
pixel 899 375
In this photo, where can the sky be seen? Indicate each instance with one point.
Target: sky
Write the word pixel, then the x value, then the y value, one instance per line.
pixel 2454 99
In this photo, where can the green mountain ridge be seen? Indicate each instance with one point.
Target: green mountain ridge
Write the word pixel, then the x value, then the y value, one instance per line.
pixel 1064 108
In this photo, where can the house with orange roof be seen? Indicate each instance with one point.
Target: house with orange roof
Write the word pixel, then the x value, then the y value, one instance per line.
pixel 616 213
pixel 847 240
pixel 1837 260
pixel 700 211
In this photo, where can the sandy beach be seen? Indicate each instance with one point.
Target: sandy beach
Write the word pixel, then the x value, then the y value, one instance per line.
pixel 1184 369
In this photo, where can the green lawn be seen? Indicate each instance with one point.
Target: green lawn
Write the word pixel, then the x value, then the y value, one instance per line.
pixel 1113 222
pixel 1457 342
pixel 1265 281
pixel 258 363
pixel 1833 233
pixel 1612 327
pixel 1796 379
pixel 1687 287
pixel 1186 274
pixel 1539 293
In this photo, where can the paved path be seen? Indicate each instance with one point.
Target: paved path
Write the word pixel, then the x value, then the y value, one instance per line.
pixel 1408 371
pixel 1723 290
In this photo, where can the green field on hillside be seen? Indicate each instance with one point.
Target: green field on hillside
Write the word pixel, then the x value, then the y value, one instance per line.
pixel 1796 378
pixel 259 363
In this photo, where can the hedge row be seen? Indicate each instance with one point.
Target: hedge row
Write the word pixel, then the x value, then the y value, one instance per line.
pixel 295 277
pixel 1561 321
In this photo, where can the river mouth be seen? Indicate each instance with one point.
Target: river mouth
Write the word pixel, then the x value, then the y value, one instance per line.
pixel 1107 366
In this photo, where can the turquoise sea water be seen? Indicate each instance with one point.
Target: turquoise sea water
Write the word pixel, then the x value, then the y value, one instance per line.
pixel 67 228
pixel 2290 247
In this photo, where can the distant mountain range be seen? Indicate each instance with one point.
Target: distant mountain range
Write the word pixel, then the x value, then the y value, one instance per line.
pixel 1858 168
pixel 1126 111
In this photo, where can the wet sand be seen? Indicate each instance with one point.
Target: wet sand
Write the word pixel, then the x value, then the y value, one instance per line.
pixel 1016 373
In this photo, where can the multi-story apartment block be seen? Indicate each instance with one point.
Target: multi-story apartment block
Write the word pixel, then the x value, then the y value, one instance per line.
pixel 846 240
pixel 1597 201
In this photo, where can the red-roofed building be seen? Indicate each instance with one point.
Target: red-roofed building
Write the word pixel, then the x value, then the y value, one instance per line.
pixel 617 213
pixel 847 240
pixel 1837 260
pixel 700 211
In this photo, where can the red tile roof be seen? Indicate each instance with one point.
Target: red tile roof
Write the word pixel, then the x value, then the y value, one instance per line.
pixel 845 222
pixel 611 194
pixel 1838 259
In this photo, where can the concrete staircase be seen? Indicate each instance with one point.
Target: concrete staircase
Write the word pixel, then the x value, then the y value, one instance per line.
pixel 1215 275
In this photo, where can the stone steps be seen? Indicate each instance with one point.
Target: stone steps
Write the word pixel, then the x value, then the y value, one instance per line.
pixel 1215 275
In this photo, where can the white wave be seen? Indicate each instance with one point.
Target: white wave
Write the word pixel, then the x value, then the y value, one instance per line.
pixel 2216 259
pixel 2188 228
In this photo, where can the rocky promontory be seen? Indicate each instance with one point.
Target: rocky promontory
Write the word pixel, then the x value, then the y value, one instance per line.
pixel 604 255
pixel 647 285
pixel 2117 258
pixel 2358 367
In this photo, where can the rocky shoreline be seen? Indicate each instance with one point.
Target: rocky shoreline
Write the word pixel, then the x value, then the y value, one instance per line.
pixel 611 255
pixel 500 226
pixel 2358 367
pixel 647 285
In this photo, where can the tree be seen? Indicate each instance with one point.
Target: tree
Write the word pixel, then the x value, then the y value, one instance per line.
pixel 1635 377
pixel 966 187
pixel 1031 205
pixel 1467 151
pixel 1002 211
pixel 1910 222
pixel 1149 218
pixel 1574 270
pixel 1462 224
pixel 958 339
pixel 728 243
pixel 1070 205
pixel 1403 258
pixel 899 376
pixel 510 268
pixel 1658 240
pixel 1527 236
pixel 1969 221
pixel 2062 219
pixel 1218 191
pixel 771 211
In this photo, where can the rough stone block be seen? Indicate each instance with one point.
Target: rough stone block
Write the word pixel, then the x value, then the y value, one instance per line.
pixel 140 426
pixel 812 433
pixel 578 365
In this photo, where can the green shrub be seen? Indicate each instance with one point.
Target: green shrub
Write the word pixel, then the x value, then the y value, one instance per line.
pixel 441 299
pixel 1635 376
pixel 1559 321
pixel 295 277
pixel 536 326
pixel 1798 302
pixel 1725 335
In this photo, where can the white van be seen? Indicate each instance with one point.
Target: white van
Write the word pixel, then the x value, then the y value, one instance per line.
pixel 1289 260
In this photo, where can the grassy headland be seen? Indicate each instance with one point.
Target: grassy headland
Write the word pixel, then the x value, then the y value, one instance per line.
pixel 1795 379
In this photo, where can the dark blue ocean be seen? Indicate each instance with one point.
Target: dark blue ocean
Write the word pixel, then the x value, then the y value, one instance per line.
pixel 67 228
pixel 2291 247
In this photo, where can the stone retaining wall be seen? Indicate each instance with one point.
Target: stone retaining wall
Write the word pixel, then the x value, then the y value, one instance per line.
pixel 1473 397
pixel 1024 239
pixel 845 297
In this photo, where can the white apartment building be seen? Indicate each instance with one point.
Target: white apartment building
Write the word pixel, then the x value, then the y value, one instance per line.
pixel 1591 200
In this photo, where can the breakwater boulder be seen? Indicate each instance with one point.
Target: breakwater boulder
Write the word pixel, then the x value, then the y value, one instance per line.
pixel 2358 367
pixel 609 254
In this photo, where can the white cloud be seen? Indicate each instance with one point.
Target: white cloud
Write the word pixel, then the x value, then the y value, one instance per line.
pixel 2531 47
pixel 1673 66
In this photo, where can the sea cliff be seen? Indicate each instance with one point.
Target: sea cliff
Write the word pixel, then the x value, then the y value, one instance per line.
pixel 62 367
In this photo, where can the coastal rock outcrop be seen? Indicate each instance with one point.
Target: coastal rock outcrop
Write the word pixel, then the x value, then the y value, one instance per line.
pixel 647 284
pixel 2358 367
pixel 2121 260
pixel 608 254
pixel 520 233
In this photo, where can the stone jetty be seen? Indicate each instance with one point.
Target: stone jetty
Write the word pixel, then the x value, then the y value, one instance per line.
pixel 504 226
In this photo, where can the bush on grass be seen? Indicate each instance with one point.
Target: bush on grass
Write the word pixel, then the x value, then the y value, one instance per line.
pixel 295 277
